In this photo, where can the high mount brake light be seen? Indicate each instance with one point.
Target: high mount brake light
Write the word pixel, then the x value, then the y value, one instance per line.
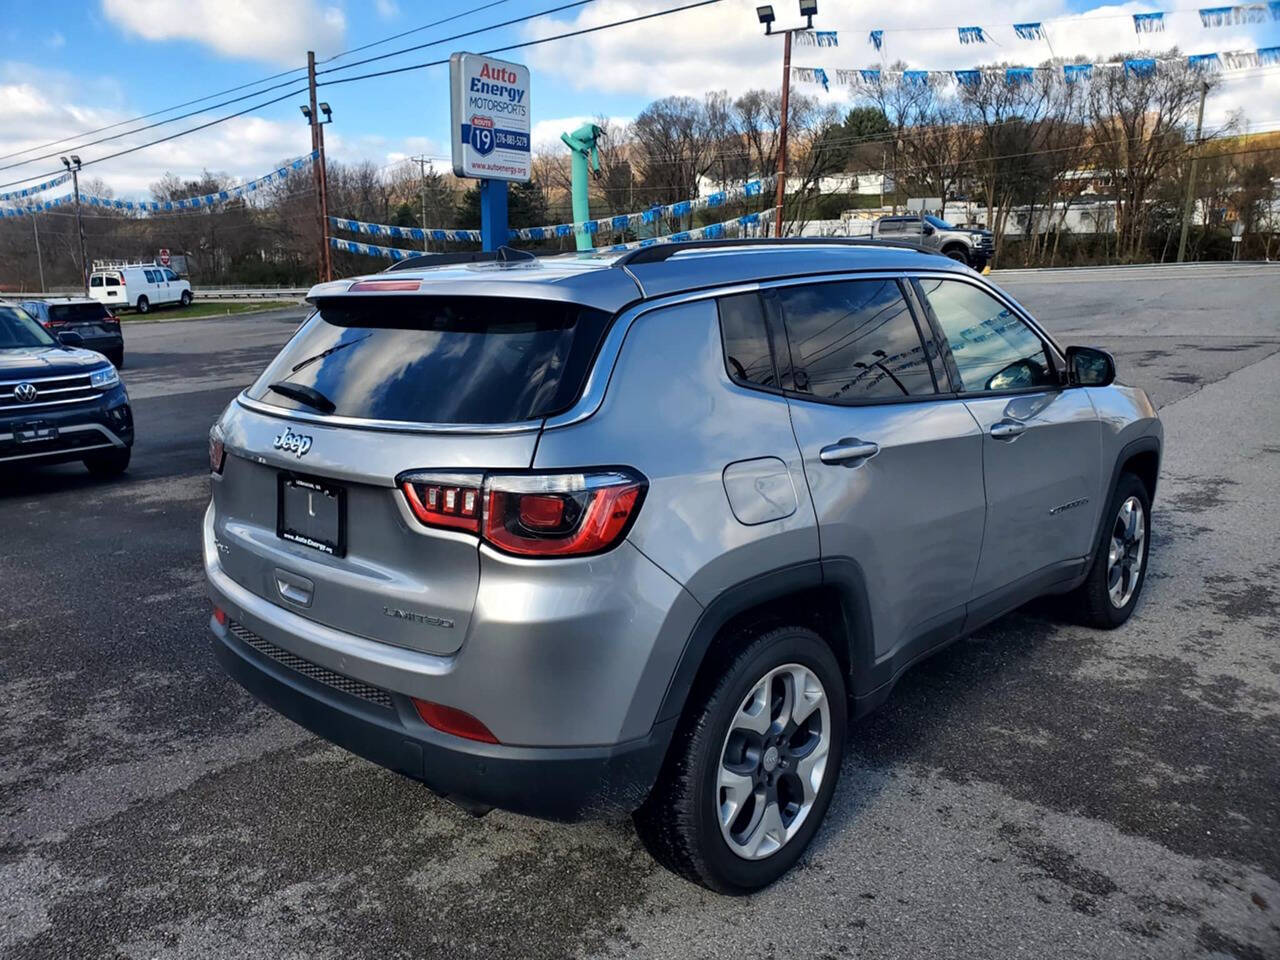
pixel 385 286
pixel 531 515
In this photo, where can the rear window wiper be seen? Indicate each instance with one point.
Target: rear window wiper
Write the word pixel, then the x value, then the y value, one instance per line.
pixel 308 395
pixel 324 353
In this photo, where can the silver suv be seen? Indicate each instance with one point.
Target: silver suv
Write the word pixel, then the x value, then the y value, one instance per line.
pixel 644 531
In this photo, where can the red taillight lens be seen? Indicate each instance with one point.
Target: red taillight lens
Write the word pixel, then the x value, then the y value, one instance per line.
pixel 445 500
pixel 217 453
pixel 450 720
pixel 220 615
pixel 385 286
pixel 532 515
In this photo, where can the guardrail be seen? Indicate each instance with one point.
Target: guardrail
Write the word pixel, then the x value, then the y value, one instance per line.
pixel 218 293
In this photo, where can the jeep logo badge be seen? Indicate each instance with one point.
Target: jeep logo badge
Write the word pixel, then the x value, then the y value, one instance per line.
pixel 25 392
pixel 296 443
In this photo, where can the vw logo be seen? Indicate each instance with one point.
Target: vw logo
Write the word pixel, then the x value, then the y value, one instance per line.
pixel 25 392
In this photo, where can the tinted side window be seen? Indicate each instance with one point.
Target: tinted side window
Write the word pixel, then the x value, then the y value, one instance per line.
pixel 95 280
pixel 854 341
pixel 169 274
pixel 747 353
pixel 993 348
pixel 113 281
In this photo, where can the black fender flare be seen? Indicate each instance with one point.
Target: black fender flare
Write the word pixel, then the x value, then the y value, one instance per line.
pixel 1147 444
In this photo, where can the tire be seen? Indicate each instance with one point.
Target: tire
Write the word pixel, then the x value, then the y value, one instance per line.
pixel 144 305
pixel 680 822
pixel 957 253
pixel 1094 603
pixel 109 463
pixel 185 299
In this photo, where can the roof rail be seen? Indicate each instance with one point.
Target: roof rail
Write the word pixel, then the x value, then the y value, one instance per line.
pixel 658 252
pixel 503 254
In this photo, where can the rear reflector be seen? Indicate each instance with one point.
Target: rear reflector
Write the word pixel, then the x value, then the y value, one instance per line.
pixel 457 723
pixel 220 615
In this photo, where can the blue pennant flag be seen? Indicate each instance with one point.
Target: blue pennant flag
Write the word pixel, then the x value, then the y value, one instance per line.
pixel 971 35
pixel 870 76
pixel 714 231
pixel 753 188
pixel 1208 62
pixel 1072 72
pixel 1014 76
pixel 821 76
pixel 564 230
pixel 716 200
pixel 876 38
pixel 620 223
pixel 1148 22
pixel 1029 31
pixel 915 77
pixel 1140 67
pixel 1268 56
pixel 681 209
pixel 968 78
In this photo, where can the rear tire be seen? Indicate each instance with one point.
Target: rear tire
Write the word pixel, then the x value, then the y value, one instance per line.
pixel 185 299
pixel 1110 592
pixel 109 463
pixel 957 253
pixel 730 810
pixel 144 305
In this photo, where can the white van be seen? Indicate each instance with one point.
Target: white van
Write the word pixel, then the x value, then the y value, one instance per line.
pixel 138 285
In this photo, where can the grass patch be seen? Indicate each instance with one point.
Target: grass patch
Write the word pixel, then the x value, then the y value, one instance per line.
pixel 209 308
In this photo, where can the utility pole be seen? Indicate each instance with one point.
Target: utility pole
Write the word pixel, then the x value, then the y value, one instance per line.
pixel 312 113
pixel 422 189
pixel 35 228
pixel 74 166
pixel 1188 204
pixel 808 9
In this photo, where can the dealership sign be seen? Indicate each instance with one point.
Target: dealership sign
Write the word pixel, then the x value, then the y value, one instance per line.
pixel 489 117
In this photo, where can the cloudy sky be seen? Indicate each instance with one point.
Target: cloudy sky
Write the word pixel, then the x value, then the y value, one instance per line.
pixel 72 67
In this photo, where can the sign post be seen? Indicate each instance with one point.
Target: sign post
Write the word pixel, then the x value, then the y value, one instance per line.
pixel 490 122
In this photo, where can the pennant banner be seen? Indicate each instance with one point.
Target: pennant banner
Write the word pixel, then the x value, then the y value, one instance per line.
pixel 971 35
pixel 876 38
pixel 34 207
pixel 817 38
pixel 404 233
pixel 1148 22
pixel 1244 13
pixel 1029 31
pixel 372 249
pixel 1071 72
pixel 38 188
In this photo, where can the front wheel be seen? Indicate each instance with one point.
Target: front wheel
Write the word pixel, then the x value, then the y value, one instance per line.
pixel 109 463
pixel 956 253
pixel 1108 595
pixel 185 299
pixel 753 767
pixel 144 305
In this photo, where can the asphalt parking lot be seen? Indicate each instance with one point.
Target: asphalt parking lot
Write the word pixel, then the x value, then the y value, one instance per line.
pixel 1037 790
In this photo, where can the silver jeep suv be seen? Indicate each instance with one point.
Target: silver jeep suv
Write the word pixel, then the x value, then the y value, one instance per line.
pixel 644 531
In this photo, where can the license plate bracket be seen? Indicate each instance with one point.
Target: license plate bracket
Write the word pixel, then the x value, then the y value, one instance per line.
pixel 312 513
pixel 35 431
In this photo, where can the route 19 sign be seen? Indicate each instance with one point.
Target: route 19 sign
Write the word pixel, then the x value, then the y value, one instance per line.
pixel 489 117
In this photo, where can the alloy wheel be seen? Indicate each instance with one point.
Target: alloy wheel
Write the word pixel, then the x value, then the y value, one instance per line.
pixel 773 761
pixel 1125 556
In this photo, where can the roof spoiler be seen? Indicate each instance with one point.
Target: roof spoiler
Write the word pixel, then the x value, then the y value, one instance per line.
pixel 503 254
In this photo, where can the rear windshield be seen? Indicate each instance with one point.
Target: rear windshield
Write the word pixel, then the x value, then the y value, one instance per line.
pixel 437 359
pixel 17 329
pixel 76 312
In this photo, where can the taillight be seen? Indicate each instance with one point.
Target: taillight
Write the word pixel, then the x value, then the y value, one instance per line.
pixel 532 515
pixel 217 452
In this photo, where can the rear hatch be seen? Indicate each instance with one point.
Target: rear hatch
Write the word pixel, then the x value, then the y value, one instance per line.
pixel 307 510
pixel 93 321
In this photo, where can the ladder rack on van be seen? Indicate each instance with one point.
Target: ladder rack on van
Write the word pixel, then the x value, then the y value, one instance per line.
pixel 117 264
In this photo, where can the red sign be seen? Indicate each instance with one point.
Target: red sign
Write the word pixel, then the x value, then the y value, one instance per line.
pixel 164 257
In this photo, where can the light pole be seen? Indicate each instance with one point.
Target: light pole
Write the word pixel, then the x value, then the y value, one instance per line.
pixel 312 112
pixel 808 10
pixel 74 166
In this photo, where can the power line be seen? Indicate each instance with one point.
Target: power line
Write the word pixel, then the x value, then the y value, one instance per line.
pixel 531 43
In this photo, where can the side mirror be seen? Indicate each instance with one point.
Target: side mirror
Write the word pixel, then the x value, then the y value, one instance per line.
pixel 1090 367
pixel 69 338
pixel 928 230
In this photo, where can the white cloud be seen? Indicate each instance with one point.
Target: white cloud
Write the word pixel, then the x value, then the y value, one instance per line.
pixel 387 9
pixel 723 46
pixel 279 32
pixel 56 41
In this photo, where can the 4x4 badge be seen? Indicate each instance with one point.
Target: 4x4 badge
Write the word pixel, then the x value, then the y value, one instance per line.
pixel 296 443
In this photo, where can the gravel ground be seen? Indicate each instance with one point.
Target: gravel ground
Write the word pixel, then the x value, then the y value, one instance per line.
pixel 1037 790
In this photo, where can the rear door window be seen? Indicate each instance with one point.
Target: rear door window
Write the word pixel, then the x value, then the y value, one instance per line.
pixel 113 281
pixel 95 280
pixel 854 340
pixel 748 355
pixel 471 360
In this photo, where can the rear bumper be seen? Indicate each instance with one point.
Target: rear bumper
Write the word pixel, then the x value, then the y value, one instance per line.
pixel 567 784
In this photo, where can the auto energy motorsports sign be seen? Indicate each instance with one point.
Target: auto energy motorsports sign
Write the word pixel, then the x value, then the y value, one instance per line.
pixel 490 117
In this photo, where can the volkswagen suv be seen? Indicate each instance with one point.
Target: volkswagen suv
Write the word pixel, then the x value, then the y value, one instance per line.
pixel 644 531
